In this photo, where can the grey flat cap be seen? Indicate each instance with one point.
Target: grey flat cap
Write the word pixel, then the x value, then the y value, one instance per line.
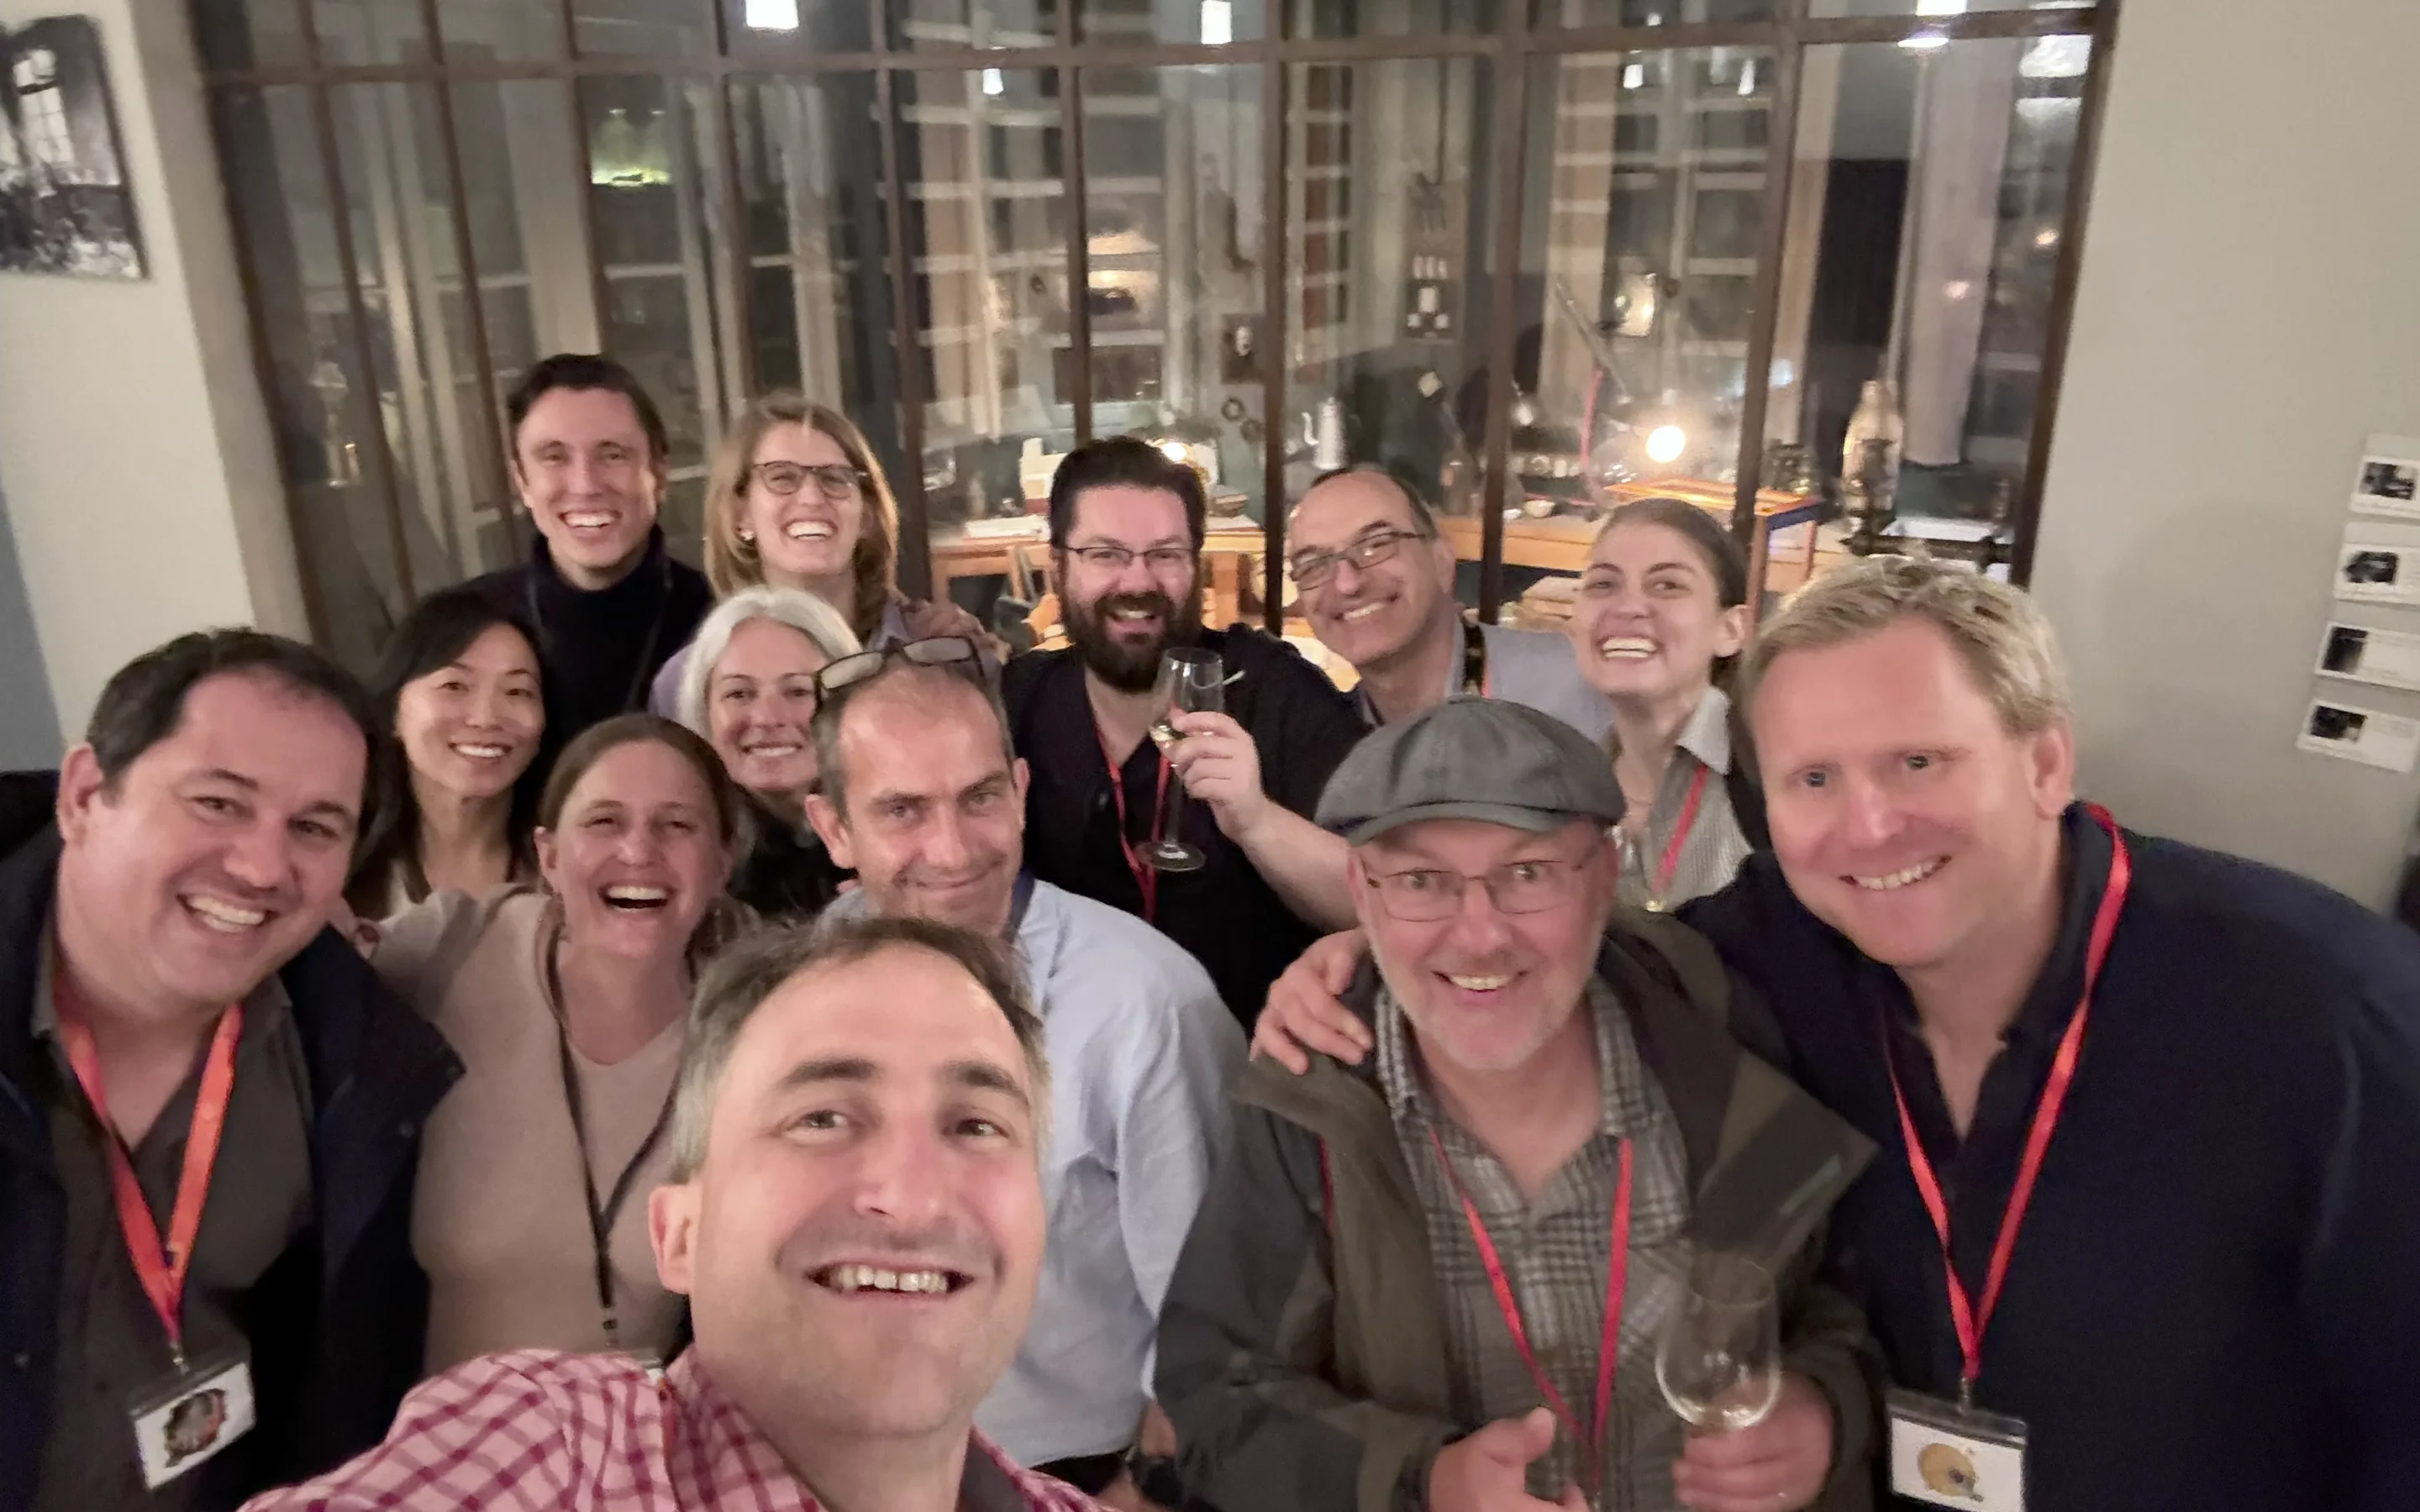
pixel 1471 758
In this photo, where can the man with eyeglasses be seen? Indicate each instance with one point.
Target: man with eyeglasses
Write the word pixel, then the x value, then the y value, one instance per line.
pixel 1437 1280
pixel 1125 528
pixel 1377 586
pixel 923 795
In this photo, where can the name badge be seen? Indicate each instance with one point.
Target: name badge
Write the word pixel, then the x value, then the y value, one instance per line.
pixel 191 1416
pixel 1945 1454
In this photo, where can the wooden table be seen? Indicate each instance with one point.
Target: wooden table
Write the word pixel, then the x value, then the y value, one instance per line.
pixel 1231 547
pixel 1560 542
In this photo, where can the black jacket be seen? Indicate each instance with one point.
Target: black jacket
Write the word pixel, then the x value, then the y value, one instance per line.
pixel 602 647
pixel 336 1326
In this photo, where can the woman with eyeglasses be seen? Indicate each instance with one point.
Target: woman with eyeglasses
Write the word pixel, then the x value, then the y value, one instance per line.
pixel 798 501
pixel 566 1003
pixel 1660 618
pixel 749 687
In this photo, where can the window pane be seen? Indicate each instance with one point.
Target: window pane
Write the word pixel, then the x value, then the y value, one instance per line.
pixel 926 25
pixel 1932 189
pixel 1826 9
pixel 656 212
pixel 1174 221
pixel 641 28
pixel 1649 12
pixel 1211 22
pixel 1389 231
pixel 248 33
pixel 484 31
pixel 811 194
pixel 322 399
pixel 987 266
pixel 1391 18
pixel 370 31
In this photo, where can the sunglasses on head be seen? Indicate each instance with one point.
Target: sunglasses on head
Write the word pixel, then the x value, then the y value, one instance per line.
pixel 933 650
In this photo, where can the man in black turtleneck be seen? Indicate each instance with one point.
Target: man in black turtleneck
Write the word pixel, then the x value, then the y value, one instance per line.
pixel 610 605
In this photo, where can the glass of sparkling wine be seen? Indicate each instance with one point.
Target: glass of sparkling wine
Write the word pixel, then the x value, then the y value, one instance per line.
pixel 1191 681
pixel 1719 1360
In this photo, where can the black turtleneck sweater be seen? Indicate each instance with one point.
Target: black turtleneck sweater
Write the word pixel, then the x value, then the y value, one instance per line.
pixel 602 647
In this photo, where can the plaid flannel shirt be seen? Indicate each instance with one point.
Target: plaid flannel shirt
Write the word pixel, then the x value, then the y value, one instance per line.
pixel 536 1432
pixel 1554 1252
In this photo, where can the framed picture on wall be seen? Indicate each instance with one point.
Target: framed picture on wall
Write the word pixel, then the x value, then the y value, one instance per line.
pixel 2378 563
pixel 64 204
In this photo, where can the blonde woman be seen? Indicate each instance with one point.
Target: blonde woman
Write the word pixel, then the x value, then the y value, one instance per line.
pixel 798 501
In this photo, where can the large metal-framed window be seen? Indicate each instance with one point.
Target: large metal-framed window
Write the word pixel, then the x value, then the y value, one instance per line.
pixel 1521 248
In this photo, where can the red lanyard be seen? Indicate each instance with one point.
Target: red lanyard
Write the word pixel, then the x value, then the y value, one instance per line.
pixel 1608 1350
pixel 161 1271
pixel 1972 1320
pixel 1146 877
pixel 1672 847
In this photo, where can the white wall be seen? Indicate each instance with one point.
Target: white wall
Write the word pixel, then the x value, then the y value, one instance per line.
pixel 2250 310
pixel 135 447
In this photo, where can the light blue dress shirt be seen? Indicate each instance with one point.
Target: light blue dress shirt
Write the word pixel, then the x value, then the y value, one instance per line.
pixel 1142 1052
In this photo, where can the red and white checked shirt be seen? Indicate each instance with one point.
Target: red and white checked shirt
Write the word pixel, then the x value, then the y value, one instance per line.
pixel 543 1432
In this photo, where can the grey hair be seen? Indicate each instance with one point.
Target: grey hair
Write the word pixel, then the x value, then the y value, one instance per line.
pixel 1998 631
pixel 802 611
pixel 745 977
pixel 831 774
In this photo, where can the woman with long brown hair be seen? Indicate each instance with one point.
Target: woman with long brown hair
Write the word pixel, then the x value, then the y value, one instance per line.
pixel 797 500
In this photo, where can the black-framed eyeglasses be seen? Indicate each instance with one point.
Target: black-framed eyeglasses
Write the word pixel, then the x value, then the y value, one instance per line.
pixel 1425 896
pixel 1313 568
pixel 859 667
pixel 835 480
pixel 1160 558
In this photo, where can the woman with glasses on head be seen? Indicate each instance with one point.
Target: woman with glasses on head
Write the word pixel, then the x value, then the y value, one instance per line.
pixel 1660 620
pixel 798 501
pixel 749 686
pixel 566 1003
pixel 462 690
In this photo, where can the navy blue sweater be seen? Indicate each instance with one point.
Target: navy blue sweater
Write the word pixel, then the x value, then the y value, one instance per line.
pixel 2214 1303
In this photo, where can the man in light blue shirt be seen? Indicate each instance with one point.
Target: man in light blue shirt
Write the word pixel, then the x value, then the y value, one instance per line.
pixel 922 794
pixel 1376 582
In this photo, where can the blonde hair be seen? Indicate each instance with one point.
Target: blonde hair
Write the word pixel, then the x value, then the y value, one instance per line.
pixel 1997 630
pixel 801 610
pixel 732 564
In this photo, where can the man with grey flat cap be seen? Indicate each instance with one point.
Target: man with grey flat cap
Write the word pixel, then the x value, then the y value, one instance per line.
pixel 1437 1282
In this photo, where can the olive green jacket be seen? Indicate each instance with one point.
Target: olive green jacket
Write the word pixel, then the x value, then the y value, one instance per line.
pixel 1302 1346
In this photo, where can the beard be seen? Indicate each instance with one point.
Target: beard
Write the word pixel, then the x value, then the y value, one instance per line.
pixel 1127 664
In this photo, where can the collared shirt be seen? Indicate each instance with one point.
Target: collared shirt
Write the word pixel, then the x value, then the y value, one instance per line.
pixel 1713 845
pixel 113 1350
pixel 534 1432
pixel 2210 1307
pixel 1555 1251
pixel 1533 668
pixel 1142 1052
pixel 1226 914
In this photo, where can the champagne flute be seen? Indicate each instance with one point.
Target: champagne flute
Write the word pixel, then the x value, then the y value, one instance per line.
pixel 1191 681
pixel 1718 1362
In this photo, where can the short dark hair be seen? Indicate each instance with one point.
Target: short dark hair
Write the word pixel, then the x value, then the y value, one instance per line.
pixel 435 634
pixel 581 371
pixel 744 977
pixel 1126 461
pixel 824 727
pixel 1424 519
pixel 144 702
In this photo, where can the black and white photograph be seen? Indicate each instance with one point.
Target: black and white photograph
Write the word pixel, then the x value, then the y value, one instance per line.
pixel 2389 480
pixel 2379 563
pixel 2388 741
pixel 64 204
pixel 2357 653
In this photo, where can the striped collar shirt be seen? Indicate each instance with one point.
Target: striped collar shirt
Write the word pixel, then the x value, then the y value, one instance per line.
pixel 1713 845
pixel 535 1432
pixel 1555 1251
